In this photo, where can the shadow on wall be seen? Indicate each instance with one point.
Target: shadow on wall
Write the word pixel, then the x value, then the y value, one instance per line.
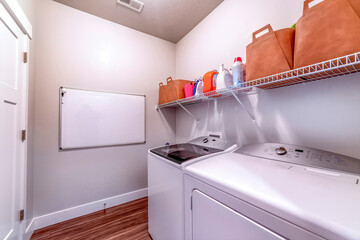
pixel 225 116
pixel 167 116
pixel 236 124
pixel 272 117
pixel 321 114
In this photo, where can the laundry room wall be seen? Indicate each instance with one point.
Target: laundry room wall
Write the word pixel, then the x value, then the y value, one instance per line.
pixel 78 50
pixel 322 114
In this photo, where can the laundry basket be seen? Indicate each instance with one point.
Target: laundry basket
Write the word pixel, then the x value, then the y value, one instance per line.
pixel 175 89
pixel 162 93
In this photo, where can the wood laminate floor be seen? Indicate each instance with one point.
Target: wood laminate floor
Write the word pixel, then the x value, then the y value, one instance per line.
pixel 128 221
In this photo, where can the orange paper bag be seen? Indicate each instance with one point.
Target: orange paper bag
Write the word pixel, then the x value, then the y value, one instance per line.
pixel 270 53
pixel 327 30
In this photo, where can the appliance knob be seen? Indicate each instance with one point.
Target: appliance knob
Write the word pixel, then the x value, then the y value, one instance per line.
pixel 205 140
pixel 280 151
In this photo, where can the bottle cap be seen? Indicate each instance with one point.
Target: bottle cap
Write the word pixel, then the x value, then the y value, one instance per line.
pixel 238 59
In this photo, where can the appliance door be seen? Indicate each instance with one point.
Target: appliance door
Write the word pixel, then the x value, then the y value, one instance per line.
pixel 211 213
pixel 213 220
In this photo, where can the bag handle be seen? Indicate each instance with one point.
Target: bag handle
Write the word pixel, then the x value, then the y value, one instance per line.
pixel 267 27
pixel 306 5
pixel 169 79
pixel 161 84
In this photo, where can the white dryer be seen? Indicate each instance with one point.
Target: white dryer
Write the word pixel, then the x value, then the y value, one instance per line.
pixel 166 183
pixel 273 191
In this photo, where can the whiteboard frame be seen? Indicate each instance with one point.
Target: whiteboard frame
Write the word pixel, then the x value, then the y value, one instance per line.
pixel 100 146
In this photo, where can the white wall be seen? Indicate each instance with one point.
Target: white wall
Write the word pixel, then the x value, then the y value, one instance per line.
pixel 225 33
pixel 322 114
pixel 78 50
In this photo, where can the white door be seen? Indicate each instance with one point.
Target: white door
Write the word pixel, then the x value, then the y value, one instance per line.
pixel 12 120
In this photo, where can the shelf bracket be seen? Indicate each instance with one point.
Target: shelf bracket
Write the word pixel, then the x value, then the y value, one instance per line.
pixel 188 112
pixel 243 106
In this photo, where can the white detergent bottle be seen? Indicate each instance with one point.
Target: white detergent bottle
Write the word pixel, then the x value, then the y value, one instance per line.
pixel 238 71
pixel 199 88
pixel 224 79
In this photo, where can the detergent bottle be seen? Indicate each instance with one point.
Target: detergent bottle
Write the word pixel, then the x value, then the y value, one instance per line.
pixel 199 87
pixel 224 79
pixel 209 81
pixel 196 85
pixel 238 71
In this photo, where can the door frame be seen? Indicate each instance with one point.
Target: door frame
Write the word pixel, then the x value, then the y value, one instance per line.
pixel 15 11
pixel 17 14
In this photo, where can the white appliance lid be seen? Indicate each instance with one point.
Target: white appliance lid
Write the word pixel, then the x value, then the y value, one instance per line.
pixel 323 202
pixel 197 148
pixel 180 153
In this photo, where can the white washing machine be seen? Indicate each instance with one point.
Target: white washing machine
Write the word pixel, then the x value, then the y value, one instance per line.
pixel 273 191
pixel 166 183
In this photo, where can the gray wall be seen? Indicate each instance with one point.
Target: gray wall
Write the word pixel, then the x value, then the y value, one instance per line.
pixel 323 114
pixel 75 49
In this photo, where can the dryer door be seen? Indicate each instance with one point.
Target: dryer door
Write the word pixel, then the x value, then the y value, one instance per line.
pixel 213 220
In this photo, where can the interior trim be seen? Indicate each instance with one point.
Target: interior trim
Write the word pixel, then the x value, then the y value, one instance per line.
pixel 29 230
pixel 15 11
pixel 77 211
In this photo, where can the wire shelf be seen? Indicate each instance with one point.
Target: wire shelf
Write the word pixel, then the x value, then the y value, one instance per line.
pixel 328 69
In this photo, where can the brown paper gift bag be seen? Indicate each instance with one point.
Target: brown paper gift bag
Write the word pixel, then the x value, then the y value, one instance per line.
pixel 175 89
pixel 162 94
pixel 328 30
pixel 356 6
pixel 269 54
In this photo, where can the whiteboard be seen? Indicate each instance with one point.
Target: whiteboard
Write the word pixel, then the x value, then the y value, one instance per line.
pixel 96 119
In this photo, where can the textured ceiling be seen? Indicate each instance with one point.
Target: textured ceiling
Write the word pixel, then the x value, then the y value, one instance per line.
pixel 167 19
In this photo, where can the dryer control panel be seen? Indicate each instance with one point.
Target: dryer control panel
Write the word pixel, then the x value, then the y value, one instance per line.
pixel 303 156
pixel 213 142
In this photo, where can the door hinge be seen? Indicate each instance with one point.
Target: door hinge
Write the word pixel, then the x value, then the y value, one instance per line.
pixel 25 57
pixel 23 135
pixel 22 214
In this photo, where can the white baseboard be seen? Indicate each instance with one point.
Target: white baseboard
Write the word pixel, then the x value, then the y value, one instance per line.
pixel 29 230
pixel 69 213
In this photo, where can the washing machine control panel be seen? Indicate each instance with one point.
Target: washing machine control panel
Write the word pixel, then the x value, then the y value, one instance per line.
pixel 212 142
pixel 303 156
pixel 280 151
